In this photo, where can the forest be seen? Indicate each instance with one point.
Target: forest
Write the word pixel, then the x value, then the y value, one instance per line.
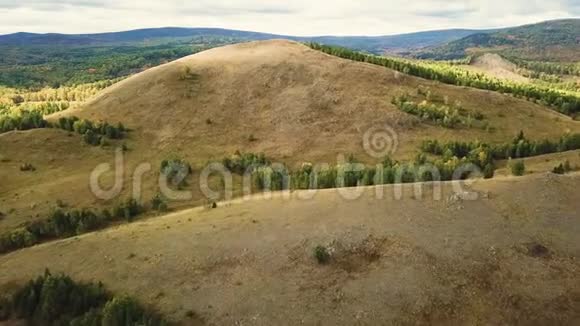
pixel 55 300
pixel 353 173
pixel 39 67
pixel 519 147
pixel 450 158
pixel 93 133
pixel 552 68
pixel 29 65
pixel 562 101
pixel 63 224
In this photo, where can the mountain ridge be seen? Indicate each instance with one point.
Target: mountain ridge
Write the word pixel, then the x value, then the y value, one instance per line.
pixel 555 40
pixel 369 43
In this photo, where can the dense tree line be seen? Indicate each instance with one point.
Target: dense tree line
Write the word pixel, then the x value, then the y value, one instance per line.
pixel 25 120
pixel 57 300
pixel 93 133
pixel 44 108
pixel 452 157
pixel 72 93
pixel 563 102
pixel 62 224
pixel 552 68
pixel 353 174
pixel 519 147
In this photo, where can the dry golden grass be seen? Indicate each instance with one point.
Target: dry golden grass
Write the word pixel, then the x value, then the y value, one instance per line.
pixel 510 257
pixel 544 163
pixel 300 105
pixel 494 65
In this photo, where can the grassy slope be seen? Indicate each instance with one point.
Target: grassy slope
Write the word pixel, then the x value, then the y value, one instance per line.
pixel 496 66
pixel 544 163
pixel 300 105
pixel 402 261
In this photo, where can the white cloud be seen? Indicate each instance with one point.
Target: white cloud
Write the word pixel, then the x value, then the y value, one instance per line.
pixel 298 17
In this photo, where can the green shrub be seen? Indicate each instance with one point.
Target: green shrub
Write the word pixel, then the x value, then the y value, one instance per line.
pixel 518 167
pixel 121 311
pixel 158 204
pixel 176 171
pixel 321 254
pixel 488 171
pixel 16 239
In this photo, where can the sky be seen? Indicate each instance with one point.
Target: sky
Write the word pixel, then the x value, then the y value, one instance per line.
pixel 296 17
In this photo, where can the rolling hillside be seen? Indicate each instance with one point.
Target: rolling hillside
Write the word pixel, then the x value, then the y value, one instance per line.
pixel 509 257
pixel 299 105
pixel 375 239
pixel 548 41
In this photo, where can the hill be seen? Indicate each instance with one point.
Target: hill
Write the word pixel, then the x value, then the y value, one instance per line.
pixel 300 105
pixel 547 41
pixel 509 257
pixel 37 60
pixel 494 65
pixel 295 91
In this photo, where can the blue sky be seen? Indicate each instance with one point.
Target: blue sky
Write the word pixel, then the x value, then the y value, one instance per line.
pixel 298 17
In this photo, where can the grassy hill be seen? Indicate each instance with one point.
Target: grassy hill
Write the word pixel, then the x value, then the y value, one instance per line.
pixel 510 257
pixel 301 105
pixel 547 41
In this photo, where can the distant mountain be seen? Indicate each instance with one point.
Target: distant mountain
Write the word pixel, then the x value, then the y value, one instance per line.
pixel 159 35
pixel 557 40
pixel 398 43
pixel 374 44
